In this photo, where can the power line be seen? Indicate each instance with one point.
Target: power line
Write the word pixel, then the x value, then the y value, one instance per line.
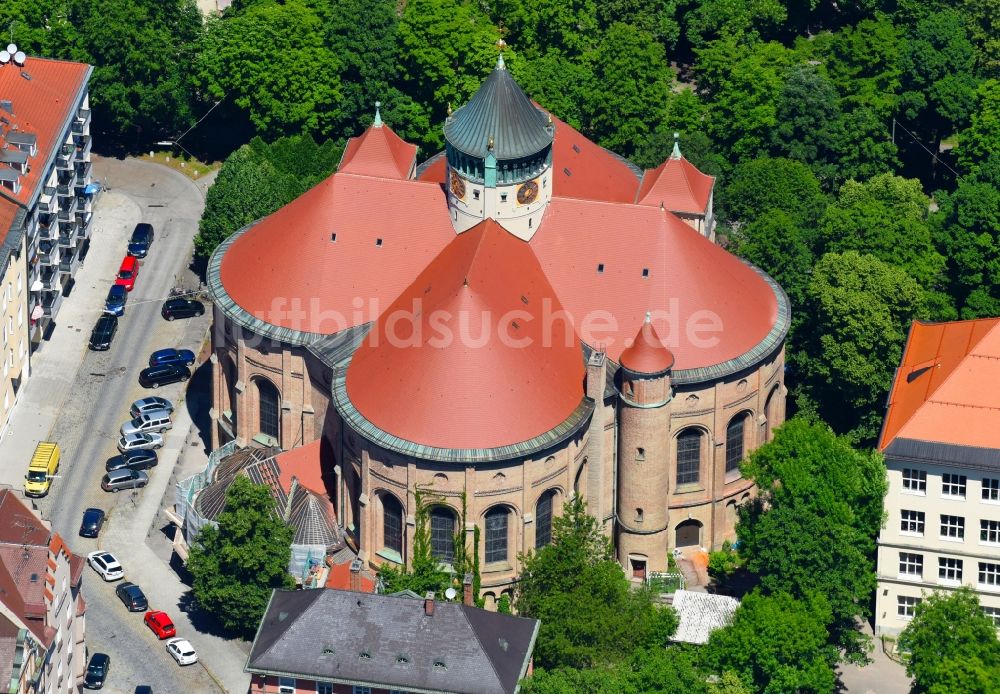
pixel 934 155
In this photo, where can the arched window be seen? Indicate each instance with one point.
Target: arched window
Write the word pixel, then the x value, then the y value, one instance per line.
pixel 688 534
pixel 640 455
pixel 579 482
pixel 230 375
pixel 392 524
pixel 689 456
pixel 543 519
pixel 771 412
pixel 638 515
pixel 496 534
pixel 734 442
pixel 269 404
pixel 443 534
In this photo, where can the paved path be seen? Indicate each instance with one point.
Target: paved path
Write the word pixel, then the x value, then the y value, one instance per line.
pixel 882 676
pixel 79 398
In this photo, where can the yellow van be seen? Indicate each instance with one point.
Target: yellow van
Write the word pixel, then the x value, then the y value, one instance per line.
pixel 44 464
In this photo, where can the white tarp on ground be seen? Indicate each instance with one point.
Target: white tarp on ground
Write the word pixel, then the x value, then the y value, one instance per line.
pixel 701 614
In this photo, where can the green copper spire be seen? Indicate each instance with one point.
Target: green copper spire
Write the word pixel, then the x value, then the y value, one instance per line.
pixel 378 116
pixel 676 154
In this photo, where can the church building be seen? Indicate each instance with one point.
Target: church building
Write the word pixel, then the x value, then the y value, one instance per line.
pixel 522 317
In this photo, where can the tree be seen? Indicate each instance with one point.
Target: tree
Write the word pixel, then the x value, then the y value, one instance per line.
pixel 809 122
pixel 982 137
pixel 761 185
pixel 812 530
pixel 969 233
pixel 859 309
pixel 590 616
pixel 569 29
pixel 738 20
pixel 777 244
pixel 778 644
pixel 296 89
pixel 237 563
pixel 952 645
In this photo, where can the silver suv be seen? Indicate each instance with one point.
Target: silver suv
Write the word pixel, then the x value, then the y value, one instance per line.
pixel 157 420
pixel 117 480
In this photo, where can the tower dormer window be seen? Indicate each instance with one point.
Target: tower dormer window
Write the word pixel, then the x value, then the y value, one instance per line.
pixel 503 197
pixel 475 194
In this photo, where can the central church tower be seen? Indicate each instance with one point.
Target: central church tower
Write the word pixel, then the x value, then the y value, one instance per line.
pixel 499 150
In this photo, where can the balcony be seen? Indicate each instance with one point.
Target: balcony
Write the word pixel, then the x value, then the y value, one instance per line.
pixel 69 261
pixel 83 148
pixel 83 220
pixel 67 209
pixel 68 240
pixel 64 158
pixel 50 280
pixel 82 121
pixel 51 301
pixel 48 253
pixel 83 173
pixel 46 230
pixel 47 200
pixel 66 183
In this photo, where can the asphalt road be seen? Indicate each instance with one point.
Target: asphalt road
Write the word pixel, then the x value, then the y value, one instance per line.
pixel 97 404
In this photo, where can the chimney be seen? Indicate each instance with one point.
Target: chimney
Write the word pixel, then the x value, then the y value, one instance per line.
pixel 429 604
pixel 467 590
pixel 356 575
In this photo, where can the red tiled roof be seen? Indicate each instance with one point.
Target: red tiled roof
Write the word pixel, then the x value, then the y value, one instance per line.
pixel 707 305
pixel 436 169
pixel 287 271
pixel 647 354
pixel 339 577
pixel 42 106
pixel 461 359
pixel 944 390
pixel 18 523
pixel 678 185
pixel 594 172
pixel 304 464
pixel 8 211
pixel 379 152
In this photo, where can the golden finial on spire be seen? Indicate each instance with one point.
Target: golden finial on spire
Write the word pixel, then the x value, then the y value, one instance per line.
pixel 489 145
pixel 449 109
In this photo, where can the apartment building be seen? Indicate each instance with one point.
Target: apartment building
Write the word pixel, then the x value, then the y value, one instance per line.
pixel 46 202
pixel 42 613
pixel 941 441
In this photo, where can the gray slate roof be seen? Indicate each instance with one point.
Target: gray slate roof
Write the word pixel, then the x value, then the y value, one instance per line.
pixel 321 634
pixel 937 453
pixel 500 109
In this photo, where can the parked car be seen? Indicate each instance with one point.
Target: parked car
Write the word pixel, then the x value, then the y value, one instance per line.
pixel 93 521
pixel 143 689
pixel 171 356
pixel 132 597
pixel 160 624
pixel 140 459
pixel 181 308
pixel 97 671
pixel 127 272
pixel 141 240
pixel 105 564
pixel 153 402
pixel 103 333
pixel 155 421
pixel 115 303
pixel 156 376
pixel 117 480
pixel 182 651
pixel 136 441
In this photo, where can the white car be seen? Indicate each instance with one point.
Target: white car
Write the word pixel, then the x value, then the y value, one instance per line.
pixel 145 439
pixel 182 651
pixel 105 564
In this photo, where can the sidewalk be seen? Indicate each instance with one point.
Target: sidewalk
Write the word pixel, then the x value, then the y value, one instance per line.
pixel 54 365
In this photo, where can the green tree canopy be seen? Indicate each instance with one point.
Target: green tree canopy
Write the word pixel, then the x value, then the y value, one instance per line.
pixel 952 645
pixel 809 126
pixel 776 243
pixel 764 184
pixel 812 530
pixel 858 310
pixel 982 137
pixel 237 564
pixel 590 616
pixel 777 644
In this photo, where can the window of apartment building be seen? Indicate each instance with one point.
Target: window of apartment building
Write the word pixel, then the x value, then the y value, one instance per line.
pixel 991 489
pixel 953 485
pixel 949 570
pixel 914 481
pixel 989 574
pixel 911 565
pixel 952 527
pixel 324 688
pixel 911 522
pixel 362 690
pixel 989 531
pixel 994 614
pixel 906 606
pixel 286 685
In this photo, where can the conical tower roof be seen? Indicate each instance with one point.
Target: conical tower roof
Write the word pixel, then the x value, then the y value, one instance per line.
pixel 500 111
pixel 647 354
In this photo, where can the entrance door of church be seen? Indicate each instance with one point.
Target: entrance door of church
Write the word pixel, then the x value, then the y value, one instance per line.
pixel 689 534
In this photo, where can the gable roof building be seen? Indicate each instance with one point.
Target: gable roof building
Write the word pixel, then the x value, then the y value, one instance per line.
pixel 389 642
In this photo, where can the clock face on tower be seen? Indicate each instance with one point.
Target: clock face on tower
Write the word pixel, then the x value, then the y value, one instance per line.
pixel 527 193
pixel 457 185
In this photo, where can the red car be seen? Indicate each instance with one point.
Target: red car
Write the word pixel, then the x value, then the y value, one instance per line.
pixel 160 623
pixel 127 272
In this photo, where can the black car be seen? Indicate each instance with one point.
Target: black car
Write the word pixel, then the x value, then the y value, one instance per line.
pixel 141 459
pixel 97 671
pixel 181 308
pixel 142 239
pixel 143 689
pixel 93 521
pixel 132 597
pixel 156 376
pixel 104 333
